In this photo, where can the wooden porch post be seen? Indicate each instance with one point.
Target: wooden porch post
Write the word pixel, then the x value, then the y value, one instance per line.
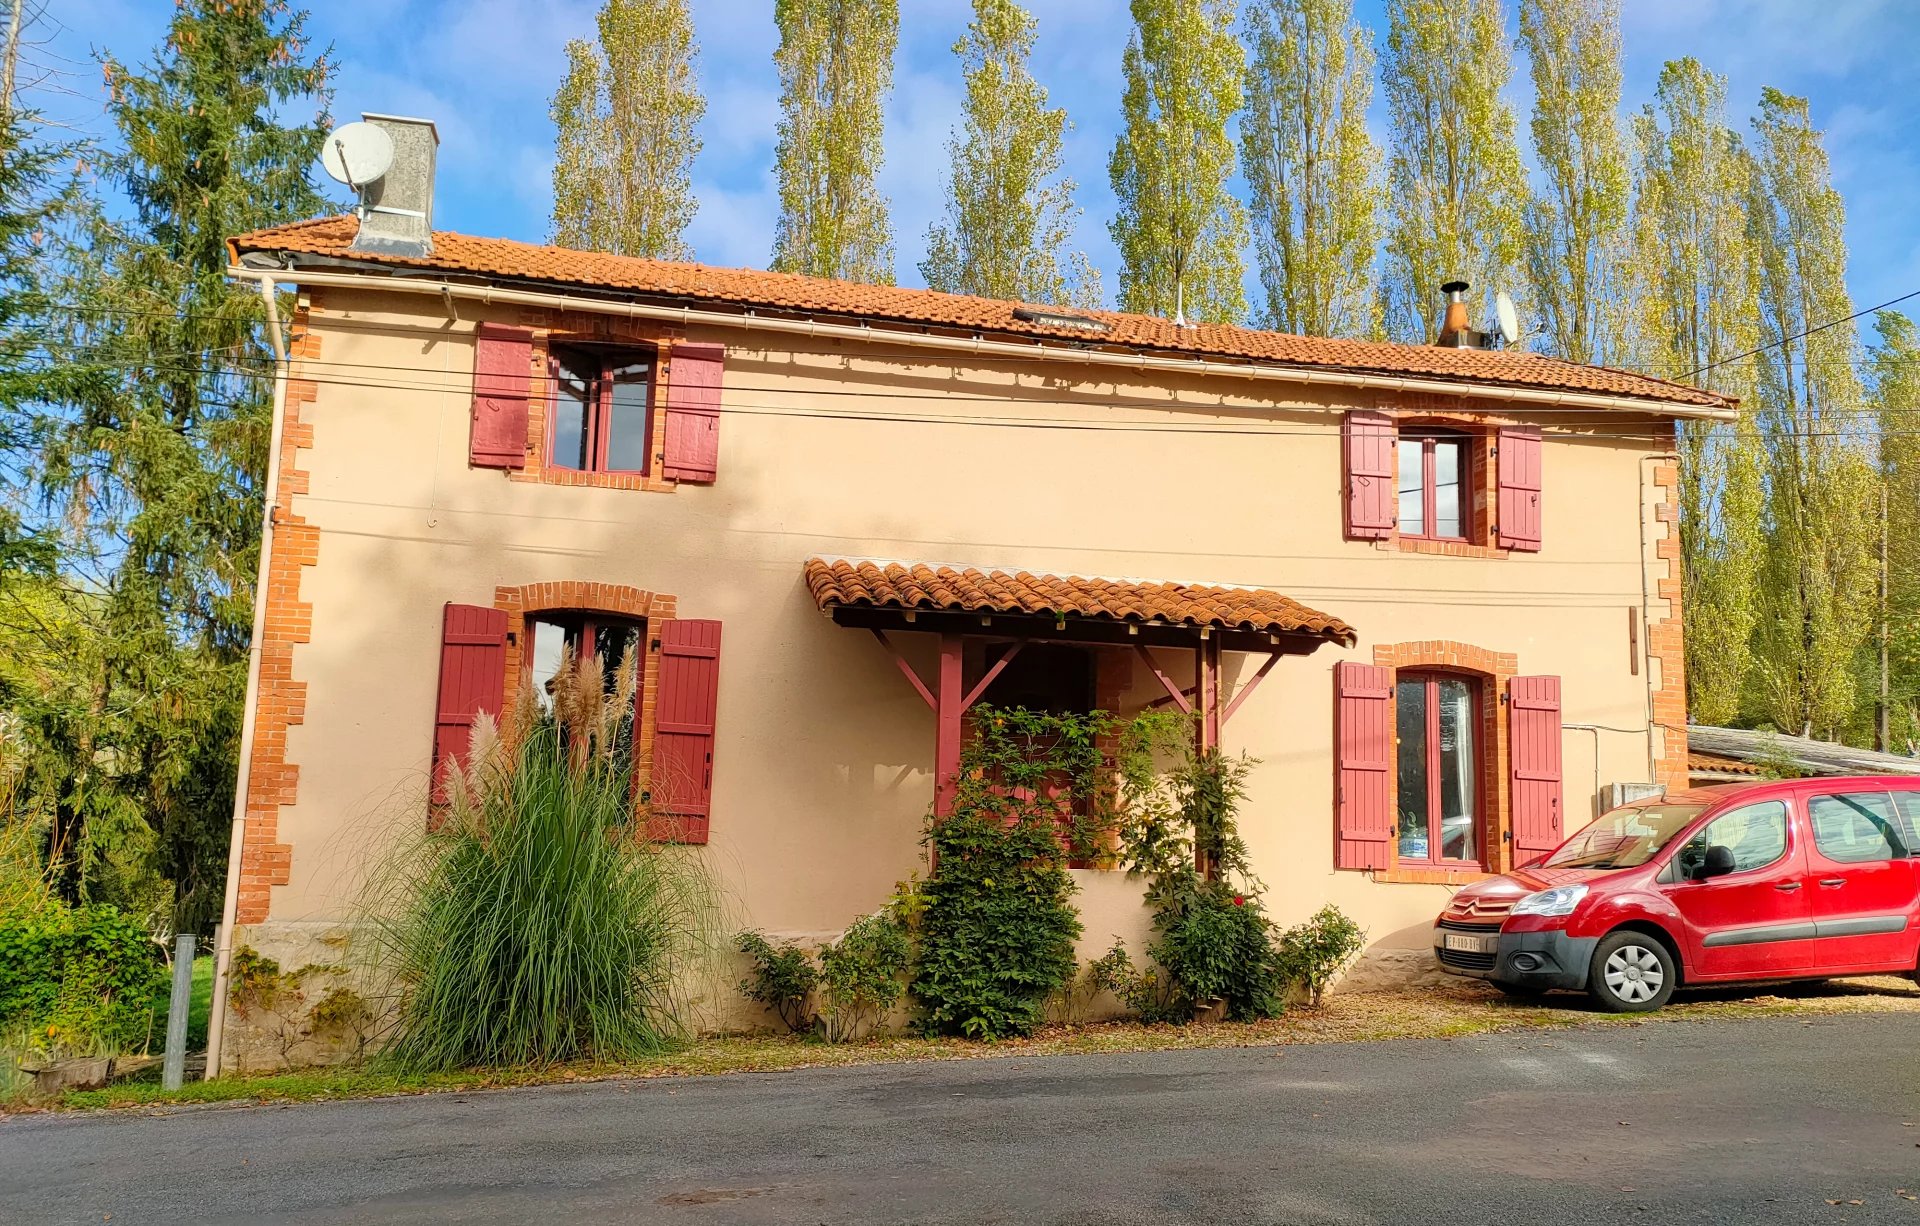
pixel 947 717
pixel 1207 656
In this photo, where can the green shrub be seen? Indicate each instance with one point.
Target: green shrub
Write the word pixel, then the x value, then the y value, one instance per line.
pixel 1148 992
pixel 535 923
pixel 1313 953
pixel 783 978
pixel 861 976
pixel 1217 944
pixel 79 978
pixel 997 932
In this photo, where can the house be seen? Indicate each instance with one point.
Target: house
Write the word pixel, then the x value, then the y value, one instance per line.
pixel 1434 590
pixel 1731 755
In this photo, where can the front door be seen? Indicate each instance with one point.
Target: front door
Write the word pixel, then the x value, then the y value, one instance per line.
pixel 1752 922
pixel 1860 882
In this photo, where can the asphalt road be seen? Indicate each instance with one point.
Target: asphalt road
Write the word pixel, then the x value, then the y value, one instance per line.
pixel 1747 1121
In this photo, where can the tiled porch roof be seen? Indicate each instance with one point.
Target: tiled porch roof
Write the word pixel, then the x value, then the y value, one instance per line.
pixel 1708 763
pixel 923 587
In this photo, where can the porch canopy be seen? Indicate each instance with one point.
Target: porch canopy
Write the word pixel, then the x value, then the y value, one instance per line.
pixel 1017 607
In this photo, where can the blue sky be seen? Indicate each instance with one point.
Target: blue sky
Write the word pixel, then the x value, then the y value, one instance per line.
pixel 485 69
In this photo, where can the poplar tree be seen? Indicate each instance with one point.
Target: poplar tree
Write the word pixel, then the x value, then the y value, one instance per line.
pixel 835 63
pixel 1010 211
pixel 1312 169
pixel 159 457
pixel 1179 230
pixel 1895 370
pixel 626 115
pixel 1694 291
pixel 1455 183
pixel 1816 590
pixel 1576 231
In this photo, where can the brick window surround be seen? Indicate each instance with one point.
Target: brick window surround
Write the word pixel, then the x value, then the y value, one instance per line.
pixel 649 339
pixel 648 608
pixel 1492 671
pixel 1480 486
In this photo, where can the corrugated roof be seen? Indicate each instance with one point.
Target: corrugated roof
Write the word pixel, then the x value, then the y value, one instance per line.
pixel 506 260
pixel 1804 753
pixel 926 587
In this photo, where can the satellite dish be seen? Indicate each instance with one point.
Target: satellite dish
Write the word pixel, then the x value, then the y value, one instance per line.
pixel 357 154
pixel 1508 317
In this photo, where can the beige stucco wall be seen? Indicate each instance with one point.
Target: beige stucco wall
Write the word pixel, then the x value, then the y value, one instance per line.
pixel 823 755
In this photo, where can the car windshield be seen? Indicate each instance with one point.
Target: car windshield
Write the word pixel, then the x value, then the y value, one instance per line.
pixel 1624 838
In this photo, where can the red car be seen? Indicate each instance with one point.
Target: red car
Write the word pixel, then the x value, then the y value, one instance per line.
pixel 1802 879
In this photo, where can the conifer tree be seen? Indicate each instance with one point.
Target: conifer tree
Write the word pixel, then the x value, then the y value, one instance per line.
pixel 1816 590
pixel 1576 227
pixel 1456 189
pixel 1695 309
pixel 1179 230
pixel 626 116
pixel 1010 210
pixel 835 62
pixel 1312 170
pixel 161 455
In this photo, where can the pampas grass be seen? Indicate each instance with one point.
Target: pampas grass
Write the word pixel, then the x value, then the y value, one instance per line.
pixel 534 923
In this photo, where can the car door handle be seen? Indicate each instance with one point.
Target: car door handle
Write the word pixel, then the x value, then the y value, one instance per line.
pixel 1831 882
pixel 1786 887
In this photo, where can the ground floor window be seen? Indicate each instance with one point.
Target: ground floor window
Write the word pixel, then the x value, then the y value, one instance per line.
pixel 1438 768
pixel 593 642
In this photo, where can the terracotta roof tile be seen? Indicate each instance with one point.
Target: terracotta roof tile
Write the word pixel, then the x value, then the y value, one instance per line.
pixel 746 288
pixel 1697 761
pixel 923 587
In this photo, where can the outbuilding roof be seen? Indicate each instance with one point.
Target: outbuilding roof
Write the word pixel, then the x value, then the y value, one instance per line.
pixel 535 265
pixel 925 587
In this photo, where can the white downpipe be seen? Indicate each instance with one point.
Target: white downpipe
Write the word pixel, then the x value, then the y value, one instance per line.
pixel 236 841
pixel 980 347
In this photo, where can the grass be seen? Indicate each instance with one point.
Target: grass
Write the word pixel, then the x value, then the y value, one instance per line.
pixel 1435 1013
pixel 198 1007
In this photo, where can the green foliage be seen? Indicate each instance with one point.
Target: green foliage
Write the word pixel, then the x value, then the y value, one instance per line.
pixel 783 978
pixel 1456 186
pixel 150 459
pixel 1313 172
pixel 626 117
pixel 1218 945
pixel 1179 229
pixel 535 924
pixel 997 933
pixel 835 62
pixel 861 976
pixel 78 978
pixel 1314 953
pixel 1150 994
pixel 1010 212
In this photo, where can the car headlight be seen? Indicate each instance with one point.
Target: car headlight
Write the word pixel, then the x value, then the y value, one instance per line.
pixel 1560 900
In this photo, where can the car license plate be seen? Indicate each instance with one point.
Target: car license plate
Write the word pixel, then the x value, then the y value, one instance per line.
pixel 1470 943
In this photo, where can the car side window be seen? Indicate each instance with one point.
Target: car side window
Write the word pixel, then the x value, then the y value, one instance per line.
pixel 1756 834
pixel 1907 805
pixel 1855 827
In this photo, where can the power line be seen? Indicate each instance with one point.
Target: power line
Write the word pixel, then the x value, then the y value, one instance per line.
pixel 1787 340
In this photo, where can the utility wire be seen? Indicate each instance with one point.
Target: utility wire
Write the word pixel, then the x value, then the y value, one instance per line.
pixel 1788 340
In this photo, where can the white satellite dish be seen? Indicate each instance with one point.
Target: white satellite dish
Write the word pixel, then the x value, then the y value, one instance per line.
pixel 357 154
pixel 1508 317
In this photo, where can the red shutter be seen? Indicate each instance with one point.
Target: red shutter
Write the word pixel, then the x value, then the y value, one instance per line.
pixel 684 705
pixel 1519 468
pixel 691 448
pixel 473 678
pixel 502 360
pixel 1363 792
pixel 1372 483
pixel 1533 733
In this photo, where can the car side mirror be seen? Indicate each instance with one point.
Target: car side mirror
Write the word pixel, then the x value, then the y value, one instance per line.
pixel 1718 863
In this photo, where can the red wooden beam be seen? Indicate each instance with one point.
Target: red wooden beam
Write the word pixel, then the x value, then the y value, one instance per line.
pixel 947 727
pixel 1174 693
pixel 1207 664
pixel 1251 685
pixel 906 670
pixel 980 687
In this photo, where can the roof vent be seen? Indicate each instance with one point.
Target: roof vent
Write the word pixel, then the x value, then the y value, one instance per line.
pixel 1058 319
pixel 396 207
pixel 1454 330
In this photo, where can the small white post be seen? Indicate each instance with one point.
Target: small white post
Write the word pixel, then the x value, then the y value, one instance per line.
pixel 175 1070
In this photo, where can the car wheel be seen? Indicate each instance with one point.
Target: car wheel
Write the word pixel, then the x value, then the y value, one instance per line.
pixel 1632 973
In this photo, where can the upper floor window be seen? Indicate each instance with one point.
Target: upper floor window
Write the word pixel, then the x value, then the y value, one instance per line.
pixel 1434 500
pixel 600 410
